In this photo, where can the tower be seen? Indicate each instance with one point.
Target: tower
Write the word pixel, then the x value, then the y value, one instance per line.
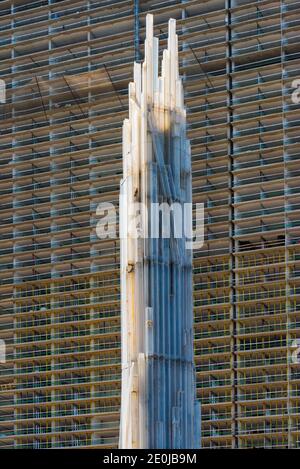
pixel 158 406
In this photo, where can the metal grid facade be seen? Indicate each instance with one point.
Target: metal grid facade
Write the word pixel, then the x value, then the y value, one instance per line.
pixel 67 65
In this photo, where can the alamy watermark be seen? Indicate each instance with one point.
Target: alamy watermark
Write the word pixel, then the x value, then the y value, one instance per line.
pixel 295 355
pixel 2 351
pixel 154 221
pixel 2 92
pixel 296 92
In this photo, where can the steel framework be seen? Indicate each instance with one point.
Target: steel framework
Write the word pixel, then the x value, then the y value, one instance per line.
pixel 61 155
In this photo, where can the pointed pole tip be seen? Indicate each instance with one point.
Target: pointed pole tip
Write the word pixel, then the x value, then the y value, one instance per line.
pixel 149 26
pixel 172 25
pixel 171 31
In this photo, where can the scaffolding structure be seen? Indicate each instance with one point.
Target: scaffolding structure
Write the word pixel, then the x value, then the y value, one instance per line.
pixel 67 65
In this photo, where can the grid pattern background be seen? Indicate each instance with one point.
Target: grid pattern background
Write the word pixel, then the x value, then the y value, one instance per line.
pixel 67 65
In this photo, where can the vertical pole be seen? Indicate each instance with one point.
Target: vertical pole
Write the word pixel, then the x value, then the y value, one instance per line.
pixel 136 7
pixel 233 247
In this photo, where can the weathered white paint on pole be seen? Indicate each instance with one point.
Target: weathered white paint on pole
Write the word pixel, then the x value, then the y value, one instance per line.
pixel 158 406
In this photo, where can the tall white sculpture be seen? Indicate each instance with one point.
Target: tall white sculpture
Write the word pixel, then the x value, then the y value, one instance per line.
pixel 158 405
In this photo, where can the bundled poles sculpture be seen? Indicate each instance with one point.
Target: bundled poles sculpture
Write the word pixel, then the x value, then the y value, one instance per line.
pixel 158 405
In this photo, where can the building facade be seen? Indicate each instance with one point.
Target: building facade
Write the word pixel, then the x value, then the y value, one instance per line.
pixel 67 65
